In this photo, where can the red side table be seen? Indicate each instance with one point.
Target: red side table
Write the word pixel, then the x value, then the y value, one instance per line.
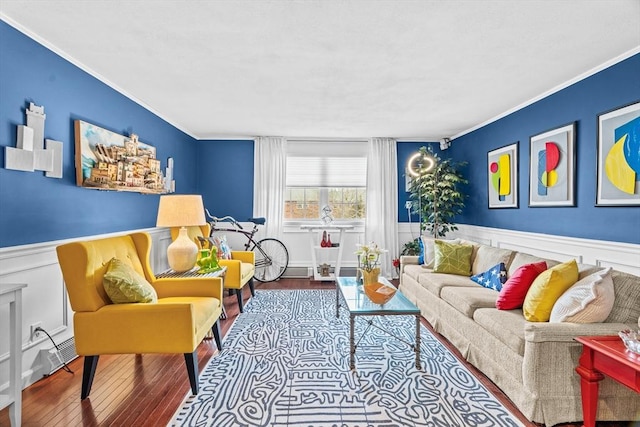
pixel 604 355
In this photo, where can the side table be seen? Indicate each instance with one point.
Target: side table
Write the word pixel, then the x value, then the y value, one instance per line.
pixel 12 294
pixel 194 273
pixel 604 355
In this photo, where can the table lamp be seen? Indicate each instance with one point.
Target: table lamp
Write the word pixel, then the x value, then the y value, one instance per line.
pixel 182 211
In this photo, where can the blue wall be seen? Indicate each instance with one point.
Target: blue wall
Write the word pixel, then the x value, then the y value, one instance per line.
pixel 581 102
pixel 225 177
pixel 34 208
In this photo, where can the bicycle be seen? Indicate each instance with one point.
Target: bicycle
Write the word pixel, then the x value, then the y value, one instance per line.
pixel 272 257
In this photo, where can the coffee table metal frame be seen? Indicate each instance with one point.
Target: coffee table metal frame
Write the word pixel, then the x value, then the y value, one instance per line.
pixel 358 304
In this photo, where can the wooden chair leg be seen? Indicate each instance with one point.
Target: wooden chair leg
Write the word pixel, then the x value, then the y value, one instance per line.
pixel 89 371
pixel 239 295
pixel 191 360
pixel 217 335
pixel 252 287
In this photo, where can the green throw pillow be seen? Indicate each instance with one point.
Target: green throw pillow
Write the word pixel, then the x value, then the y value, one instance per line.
pixel 124 285
pixel 452 258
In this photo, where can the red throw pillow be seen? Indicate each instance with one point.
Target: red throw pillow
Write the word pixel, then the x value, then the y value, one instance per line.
pixel 515 288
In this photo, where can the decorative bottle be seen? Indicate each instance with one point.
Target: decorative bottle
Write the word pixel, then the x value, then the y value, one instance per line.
pixel 324 242
pixel 329 244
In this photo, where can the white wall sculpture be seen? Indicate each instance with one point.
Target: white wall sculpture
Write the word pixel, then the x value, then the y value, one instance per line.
pixel 31 153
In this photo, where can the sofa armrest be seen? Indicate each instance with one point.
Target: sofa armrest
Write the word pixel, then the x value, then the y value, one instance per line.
pixel 189 287
pixel 408 259
pixel 566 332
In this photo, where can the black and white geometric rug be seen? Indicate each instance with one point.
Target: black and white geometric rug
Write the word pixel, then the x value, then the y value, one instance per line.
pixel 285 362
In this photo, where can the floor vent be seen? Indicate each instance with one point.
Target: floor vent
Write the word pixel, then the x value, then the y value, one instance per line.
pixel 53 359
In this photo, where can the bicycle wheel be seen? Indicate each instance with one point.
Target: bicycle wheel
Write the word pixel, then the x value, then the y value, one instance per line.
pixel 272 259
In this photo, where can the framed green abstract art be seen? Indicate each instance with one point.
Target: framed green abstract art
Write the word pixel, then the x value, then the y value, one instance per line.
pixel 619 157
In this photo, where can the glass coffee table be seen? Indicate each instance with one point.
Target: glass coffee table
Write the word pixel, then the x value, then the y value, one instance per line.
pixel 358 304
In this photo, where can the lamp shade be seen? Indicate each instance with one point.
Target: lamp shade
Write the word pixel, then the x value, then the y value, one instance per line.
pixel 180 210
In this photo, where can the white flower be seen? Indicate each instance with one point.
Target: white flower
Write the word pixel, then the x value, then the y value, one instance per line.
pixel 369 255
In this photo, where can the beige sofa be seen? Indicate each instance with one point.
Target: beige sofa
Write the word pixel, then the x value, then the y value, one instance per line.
pixel 532 362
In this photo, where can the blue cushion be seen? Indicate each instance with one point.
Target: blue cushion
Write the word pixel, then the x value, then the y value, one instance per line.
pixel 421 256
pixel 493 278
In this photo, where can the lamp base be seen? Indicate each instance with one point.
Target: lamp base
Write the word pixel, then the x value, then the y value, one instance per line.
pixel 182 253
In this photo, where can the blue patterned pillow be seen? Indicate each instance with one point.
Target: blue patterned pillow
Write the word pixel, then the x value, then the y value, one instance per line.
pixel 493 278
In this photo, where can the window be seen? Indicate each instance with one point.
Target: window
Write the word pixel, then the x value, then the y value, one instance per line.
pixel 327 173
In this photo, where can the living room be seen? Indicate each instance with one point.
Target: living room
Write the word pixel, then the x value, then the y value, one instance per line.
pixel 39 213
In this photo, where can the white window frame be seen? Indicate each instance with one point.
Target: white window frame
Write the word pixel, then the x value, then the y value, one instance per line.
pixel 320 148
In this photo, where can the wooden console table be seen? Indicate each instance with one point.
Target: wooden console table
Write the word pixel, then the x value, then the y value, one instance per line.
pixel 12 294
pixel 604 355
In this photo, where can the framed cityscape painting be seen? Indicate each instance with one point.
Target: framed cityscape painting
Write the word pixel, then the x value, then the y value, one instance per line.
pixel 502 168
pixel 552 167
pixel 619 157
pixel 109 161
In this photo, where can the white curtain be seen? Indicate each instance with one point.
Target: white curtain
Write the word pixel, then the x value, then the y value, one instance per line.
pixel 381 225
pixel 270 160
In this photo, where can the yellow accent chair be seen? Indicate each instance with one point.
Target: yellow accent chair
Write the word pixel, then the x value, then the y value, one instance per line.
pixel 187 308
pixel 240 268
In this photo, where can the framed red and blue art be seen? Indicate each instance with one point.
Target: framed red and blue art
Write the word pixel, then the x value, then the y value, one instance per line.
pixel 552 167
pixel 502 171
pixel 619 157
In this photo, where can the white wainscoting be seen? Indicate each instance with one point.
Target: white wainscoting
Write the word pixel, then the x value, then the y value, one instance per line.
pixel 45 300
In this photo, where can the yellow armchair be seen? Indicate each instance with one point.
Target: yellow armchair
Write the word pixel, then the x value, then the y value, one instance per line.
pixel 187 308
pixel 240 268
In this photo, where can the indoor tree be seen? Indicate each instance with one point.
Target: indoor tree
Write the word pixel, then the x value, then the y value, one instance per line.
pixel 437 193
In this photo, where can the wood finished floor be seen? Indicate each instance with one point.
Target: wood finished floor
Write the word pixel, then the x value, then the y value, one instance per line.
pixel 135 390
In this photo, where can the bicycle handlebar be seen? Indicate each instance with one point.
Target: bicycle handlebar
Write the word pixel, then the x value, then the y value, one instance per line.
pixel 232 220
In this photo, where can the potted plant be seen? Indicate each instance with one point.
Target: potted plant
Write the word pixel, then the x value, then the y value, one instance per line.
pixel 438 194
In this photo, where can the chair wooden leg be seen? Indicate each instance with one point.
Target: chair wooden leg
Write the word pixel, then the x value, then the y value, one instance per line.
pixel 89 371
pixel 217 335
pixel 191 360
pixel 239 295
pixel 252 288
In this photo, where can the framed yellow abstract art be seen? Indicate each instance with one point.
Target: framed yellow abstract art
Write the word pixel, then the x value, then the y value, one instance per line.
pixel 619 157
pixel 502 171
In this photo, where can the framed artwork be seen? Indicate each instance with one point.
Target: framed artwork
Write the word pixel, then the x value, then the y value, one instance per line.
pixel 552 167
pixel 109 161
pixel 619 157
pixel 502 167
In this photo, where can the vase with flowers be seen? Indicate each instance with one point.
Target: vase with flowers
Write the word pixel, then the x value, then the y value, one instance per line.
pixel 369 267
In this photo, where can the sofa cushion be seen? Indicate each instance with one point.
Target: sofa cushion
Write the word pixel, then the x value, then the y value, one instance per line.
pixel 590 300
pixel 414 270
pixel 434 282
pixel 452 258
pixel 515 289
pixel 547 288
pixel 427 252
pixel 520 259
pixel 488 256
pixel 467 300
pixel 493 278
pixel 626 308
pixel 505 325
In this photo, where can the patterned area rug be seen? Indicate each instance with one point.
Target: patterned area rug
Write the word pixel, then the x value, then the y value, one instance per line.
pixel 285 363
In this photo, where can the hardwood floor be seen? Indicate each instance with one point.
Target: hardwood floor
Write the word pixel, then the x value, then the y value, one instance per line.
pixel 146 390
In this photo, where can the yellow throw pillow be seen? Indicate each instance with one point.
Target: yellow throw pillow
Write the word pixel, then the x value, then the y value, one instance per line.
pixel 124 285
pixel 452 258
pixel 547 288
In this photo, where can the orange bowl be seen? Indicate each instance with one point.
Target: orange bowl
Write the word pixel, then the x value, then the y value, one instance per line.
pixel 379 293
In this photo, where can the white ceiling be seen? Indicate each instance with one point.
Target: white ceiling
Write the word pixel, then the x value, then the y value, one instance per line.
pixel 332 68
